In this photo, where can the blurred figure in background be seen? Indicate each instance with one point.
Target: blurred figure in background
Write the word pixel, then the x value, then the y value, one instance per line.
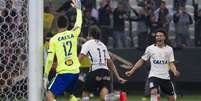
pixel 162 16
pixel 182 20
pixel 153 25
pixel 104 15
pixel 178 3
pixel 119 35
pixel 142 27
pixel 197 18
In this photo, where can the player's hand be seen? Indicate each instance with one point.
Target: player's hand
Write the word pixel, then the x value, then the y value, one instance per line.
pixel 129 73
pixel 45 82
pixel 76 4
pixel 121 80
pixel 176 73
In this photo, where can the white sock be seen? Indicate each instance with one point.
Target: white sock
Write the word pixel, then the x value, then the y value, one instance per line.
pixel 85 98
pixel 107 97
pixel 154 98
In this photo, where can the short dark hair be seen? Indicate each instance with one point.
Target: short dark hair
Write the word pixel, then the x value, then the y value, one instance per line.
pixel 62 21
pixel 95 32
pixel 162 30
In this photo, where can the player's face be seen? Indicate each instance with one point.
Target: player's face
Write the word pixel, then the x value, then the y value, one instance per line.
pixel 160 38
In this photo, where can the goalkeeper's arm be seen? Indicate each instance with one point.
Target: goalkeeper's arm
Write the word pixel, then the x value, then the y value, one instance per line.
pixel 78 23
pixel 50 59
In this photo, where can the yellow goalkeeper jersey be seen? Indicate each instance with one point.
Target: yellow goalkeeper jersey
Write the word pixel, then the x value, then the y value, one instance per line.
pixel 64 46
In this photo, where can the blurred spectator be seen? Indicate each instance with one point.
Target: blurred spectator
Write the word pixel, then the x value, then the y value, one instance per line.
pixel 197 18
pixel 104 13
pixel 118 26
pixel 178 3
pixel 93 10
pixel 142 27
pixel 157 3
pixel 88 20
pixel 148 5
pixel 162 16
pixel 153 25
pixel 182 20
pixel 48 20
pixel 65 7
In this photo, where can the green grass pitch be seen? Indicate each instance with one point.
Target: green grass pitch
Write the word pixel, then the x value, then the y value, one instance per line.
pixel 138 98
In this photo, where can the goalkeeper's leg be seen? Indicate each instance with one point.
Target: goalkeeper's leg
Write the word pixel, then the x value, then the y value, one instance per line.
pixel 50 96
pixel 73 98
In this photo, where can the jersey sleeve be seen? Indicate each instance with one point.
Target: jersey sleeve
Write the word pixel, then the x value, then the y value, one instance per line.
pixel 146 54
pixel 78 22
pixel 84 49
pixel 171 59
pixel 50 58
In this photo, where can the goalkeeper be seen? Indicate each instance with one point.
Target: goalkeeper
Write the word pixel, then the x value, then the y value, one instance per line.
pixel 63 46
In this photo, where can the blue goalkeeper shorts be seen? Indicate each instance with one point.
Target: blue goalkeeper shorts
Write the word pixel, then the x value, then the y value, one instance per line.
pixel 64 82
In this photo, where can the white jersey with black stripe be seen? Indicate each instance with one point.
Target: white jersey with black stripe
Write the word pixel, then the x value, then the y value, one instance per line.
pixel 159 59
pixel 97 52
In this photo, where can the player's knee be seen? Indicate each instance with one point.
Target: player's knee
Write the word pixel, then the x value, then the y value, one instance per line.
pixel 153 91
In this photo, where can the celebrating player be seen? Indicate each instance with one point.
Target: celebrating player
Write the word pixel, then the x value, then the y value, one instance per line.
pixel 98 79
pixel 161 57
pixel 63 46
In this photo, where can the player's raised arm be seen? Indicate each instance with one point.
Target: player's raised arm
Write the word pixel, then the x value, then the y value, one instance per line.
pixel 78 23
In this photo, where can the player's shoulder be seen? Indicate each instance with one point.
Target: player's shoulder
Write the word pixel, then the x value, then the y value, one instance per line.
pixel 55 37
pixel 89 42
pixel 169 47
pixel 151 46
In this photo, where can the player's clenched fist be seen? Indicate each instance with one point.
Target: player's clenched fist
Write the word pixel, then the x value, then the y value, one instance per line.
pixel 121 80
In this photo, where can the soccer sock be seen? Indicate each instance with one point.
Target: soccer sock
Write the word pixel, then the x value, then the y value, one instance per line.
pixel 123 96
pixel 85 98
pixel 73 98
pixel 154 98
pixel 107 97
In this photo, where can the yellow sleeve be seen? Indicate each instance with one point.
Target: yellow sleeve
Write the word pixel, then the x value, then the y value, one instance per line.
pixel 78 23
pixel 50 58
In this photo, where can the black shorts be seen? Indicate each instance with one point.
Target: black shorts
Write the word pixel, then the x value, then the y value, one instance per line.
pixel 166 86
pixel 97 79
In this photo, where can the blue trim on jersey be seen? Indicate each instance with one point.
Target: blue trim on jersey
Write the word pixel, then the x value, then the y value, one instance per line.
pixel 64 82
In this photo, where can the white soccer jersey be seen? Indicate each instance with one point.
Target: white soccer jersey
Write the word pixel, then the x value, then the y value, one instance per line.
pixel 97 52
pixel 160 59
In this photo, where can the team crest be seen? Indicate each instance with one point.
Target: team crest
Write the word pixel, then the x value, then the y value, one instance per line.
pixel 69 62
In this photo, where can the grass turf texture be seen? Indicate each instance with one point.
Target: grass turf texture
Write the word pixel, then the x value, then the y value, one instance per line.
pixel 138 98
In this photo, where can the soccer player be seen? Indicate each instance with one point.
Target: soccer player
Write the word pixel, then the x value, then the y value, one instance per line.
pixel 98 79
pixel 161 57
pixel 63 46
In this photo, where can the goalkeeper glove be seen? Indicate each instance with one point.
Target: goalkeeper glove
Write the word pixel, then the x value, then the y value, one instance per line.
pixel 45 82
pixel 76 4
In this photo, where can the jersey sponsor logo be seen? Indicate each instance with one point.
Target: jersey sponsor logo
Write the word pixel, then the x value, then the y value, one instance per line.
pixel 71 36
pixel 160 61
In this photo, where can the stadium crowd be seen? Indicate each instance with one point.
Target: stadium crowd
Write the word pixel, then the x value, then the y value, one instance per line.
pixel 148 16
